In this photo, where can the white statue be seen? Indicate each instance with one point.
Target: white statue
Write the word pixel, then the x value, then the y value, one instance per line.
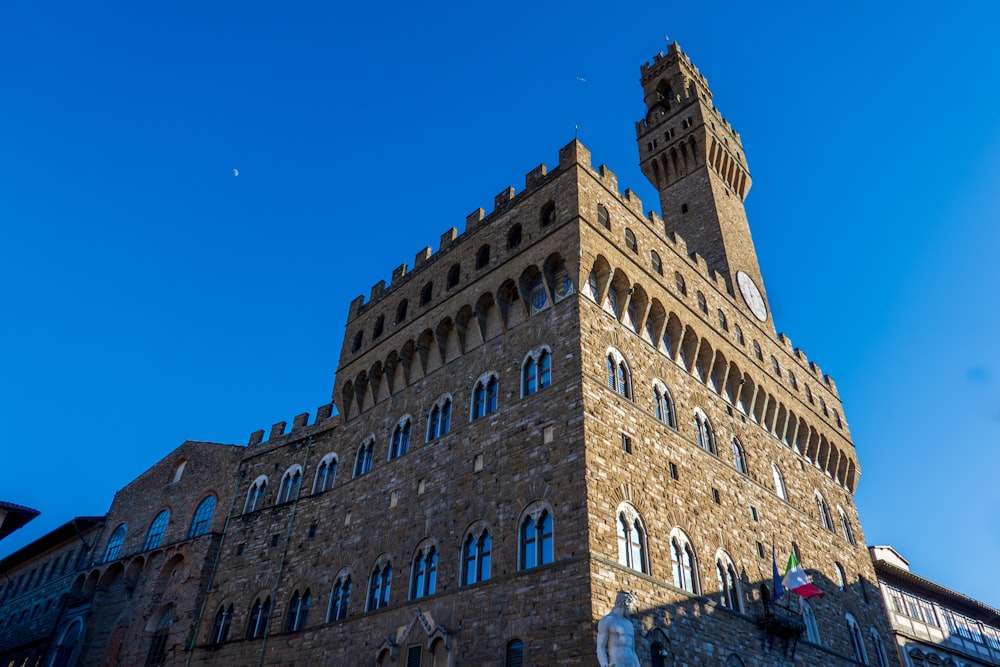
pixel 616 634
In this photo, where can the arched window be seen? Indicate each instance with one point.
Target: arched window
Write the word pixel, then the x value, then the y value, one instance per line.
pixel 439 419
pixel 363 459
pixel 290 483
pixel 845 523
pixel 260 613
pixel 158 645
pixel 663 405
pixel 739 457
pixel 536 539
pixel 593 290
pixel 453 275
pixel 838 570
pixel 823 509
pixel 378 586
pixel 809 618
pixel 680 284
pixel 220 628
pixel 619 376
pixel 723 322
pixel 515 654
pixel 631 317
pixel 115 543
pixel 476 556
pixel 358 340
pixel 776 366
pixel 484 396
pixel 426 294
pixel 379 327
pixel 880 654
pixel 514 237
pixel 630 242
pixel 611 301
pixel 779 482
pixel 656 655
pixel 603 217
pixel 655 262
pixel 757 352
pixel 298 609
pixel 326 473
pixel 340 598
pixel 255 496
pixel 857 640
pixel 536 371
pixel 631 539
pixel 399 443
pixel 739 334
pixel 729 582
pixel 156 530
pixel 791 378
pixel 401 311
pixel 706 435
pixel 482 256
pixel 683 562
pixel 202 519
pixel 702 303
pixel 66 644
pixel 423 578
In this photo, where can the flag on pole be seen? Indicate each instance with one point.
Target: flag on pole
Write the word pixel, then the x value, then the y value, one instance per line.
pixel 797 580
pixel 779 589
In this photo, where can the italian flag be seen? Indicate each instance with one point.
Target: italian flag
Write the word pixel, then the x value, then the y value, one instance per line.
pixel 797 580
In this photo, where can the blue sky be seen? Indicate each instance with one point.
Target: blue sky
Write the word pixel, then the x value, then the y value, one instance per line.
pixel 150 295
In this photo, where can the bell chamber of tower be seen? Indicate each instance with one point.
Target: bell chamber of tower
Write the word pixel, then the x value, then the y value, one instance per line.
pixel 696 161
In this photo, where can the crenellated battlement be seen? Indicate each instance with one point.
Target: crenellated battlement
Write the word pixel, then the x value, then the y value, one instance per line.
pixel 300 422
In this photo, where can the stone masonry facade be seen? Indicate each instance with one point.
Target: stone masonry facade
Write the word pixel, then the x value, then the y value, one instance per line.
pixel 569 398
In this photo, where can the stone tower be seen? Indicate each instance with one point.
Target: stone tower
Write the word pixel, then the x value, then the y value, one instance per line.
pixel 696 161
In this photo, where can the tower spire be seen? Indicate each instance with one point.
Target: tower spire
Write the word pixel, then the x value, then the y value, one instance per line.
pixel 696 161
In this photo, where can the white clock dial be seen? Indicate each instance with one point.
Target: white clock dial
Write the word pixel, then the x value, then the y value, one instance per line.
pixel 752 295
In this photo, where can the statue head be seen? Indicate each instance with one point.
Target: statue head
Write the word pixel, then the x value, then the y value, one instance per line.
pixel 626 600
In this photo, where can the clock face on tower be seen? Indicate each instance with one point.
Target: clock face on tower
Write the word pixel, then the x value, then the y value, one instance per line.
pixel 748 288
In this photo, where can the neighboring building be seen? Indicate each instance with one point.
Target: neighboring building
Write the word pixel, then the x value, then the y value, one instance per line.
pixel 13 516
pixel 568 399
pixel 35 585
pixel 931 624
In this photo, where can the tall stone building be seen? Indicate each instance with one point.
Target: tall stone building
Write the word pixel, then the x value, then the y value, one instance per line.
pixel 569 399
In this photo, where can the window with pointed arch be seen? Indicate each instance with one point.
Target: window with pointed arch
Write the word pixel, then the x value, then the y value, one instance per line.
pixel 683 562
pixel 536 371
pixel 655 262
pixel 603 217
pixel 632 550
pixel 880 654
pixel 680 284
pixel 298 610
pixel 619 375
pixel 857 640
pixel 68 638
pixel 663 404
pixel 115 543
pixel 739 334
pixel 630 241
pixel 809 618
pixel 723 322
pixel 515 654
pixel 378 586
pixel 593 287
pixel 757 352
pixel 158 644
pixel 838 570
pixel 363 459
pixel 290 482
pixel 702 303
pixel 779 482
pixel 706 434
pixel 260 614
pixel 476 557
pixel 484 396
pixel 845 525
pixel 729 582
pixel 256 495
pixel 340 598
pixel 220 627
pixel 326 473
pixel 631 317
pixel 439 418
pixel 739 457
pixel 535 538
pixel 423 575
pixel 823 509
pixel 399 443
pixel 156 529
pixel 201 521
